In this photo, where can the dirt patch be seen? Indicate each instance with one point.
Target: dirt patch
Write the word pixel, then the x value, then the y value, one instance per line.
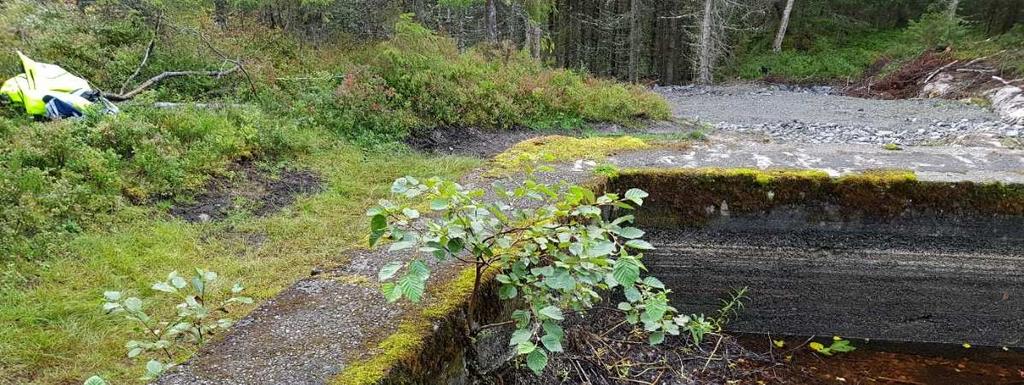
pixel 933 74
pixel 600 350
pixel 251 189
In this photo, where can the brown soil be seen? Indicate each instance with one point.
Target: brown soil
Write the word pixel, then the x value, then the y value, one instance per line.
pixel 249 188
pixel 969 77
pixel 600 350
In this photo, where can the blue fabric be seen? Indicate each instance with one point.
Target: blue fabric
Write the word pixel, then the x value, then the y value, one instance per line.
pixel 59 109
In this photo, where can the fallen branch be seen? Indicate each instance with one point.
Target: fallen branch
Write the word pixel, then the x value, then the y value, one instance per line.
pixel 1007 82
pixel 936 72
pixel 142 64
pixel 166 75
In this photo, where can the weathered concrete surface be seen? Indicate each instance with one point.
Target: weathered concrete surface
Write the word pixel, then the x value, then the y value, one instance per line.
pixel 304 335
pixel 979 164
pixel 863 284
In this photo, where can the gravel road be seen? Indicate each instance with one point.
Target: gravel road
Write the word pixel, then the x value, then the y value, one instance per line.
pixel 816 115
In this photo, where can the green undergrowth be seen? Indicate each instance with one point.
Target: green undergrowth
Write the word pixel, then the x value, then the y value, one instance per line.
pixel 63 178
pixel 52 329
pixel 836 52
pixel 558 148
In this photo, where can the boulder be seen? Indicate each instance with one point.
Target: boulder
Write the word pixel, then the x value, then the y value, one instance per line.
pixel 1008 102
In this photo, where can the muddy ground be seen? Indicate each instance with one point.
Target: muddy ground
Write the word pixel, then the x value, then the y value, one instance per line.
pixel 249 188
pixel 601 350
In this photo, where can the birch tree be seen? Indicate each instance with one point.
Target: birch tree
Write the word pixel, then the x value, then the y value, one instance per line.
pixel 783 25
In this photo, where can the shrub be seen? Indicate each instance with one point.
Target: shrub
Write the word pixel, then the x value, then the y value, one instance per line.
pixel 937 29
pixel 59 178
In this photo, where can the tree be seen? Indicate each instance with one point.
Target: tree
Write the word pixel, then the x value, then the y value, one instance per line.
pixel 492 21
pixel 705 58
pixel 549 248
pixel 783 25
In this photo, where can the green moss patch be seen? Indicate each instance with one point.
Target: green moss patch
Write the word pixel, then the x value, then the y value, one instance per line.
pixel 558 148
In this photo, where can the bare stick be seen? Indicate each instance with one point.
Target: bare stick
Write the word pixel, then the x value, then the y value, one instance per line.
pixel 936 72
pixel 166 75
pixel 145 59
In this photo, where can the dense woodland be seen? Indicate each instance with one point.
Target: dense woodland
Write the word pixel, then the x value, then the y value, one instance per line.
pixel 661 41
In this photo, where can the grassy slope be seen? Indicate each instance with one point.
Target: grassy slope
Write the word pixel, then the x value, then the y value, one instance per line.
pixel 54 332
pixel 845 55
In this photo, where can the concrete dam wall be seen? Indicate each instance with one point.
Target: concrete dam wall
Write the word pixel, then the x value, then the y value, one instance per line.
pixel 879 255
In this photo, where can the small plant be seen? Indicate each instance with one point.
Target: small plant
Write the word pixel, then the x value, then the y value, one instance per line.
pixel 195 321
pixel 549 247
pixel 607 170
pixel 839 345
pixel 95 380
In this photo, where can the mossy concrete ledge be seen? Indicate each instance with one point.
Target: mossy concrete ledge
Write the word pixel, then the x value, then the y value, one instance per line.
pixel 795 198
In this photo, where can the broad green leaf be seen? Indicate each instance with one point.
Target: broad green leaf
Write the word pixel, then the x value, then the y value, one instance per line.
pixel 630 232
pixel 632 294
pixel 411 213
pixel 133 304
pixel 438 204
pixel 112 296
pixel 419 269
pixel 656 338
pixel 636 195
pixel 95 380
pixel 378 226
pixel 639 244
pixel 537 360
pixel 626 271
pixel 553 329
pixel 561 280
pixel 164 287
pixel 522 318
pixel 507 291
pixel 552 312
pixel 389 270
pixel 519 336
pixel 412 286
pixel 551 342
pixel 525 347
pixel 653 282
pixel 391 292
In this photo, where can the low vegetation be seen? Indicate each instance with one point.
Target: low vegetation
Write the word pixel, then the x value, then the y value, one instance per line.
pixel 84 202
pixel 845 52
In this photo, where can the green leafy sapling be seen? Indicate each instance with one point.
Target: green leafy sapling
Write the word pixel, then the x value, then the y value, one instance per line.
pixel 198 316
pixel 549 247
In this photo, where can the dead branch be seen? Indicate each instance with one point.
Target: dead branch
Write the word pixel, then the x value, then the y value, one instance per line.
pixel 163 76
pixel 142 64
pixel 936 72
pixel 1007 82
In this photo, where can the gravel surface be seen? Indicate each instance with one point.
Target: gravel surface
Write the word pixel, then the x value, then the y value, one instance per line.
pixel 815 115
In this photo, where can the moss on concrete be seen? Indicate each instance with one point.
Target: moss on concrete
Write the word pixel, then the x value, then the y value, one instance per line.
pixel 693 196
pixel 418 350
pixel 557 148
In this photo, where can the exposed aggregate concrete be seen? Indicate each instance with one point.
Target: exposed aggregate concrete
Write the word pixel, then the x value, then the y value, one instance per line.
pixel 814 115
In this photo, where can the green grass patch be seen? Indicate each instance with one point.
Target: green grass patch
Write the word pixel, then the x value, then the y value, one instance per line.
pixel 52 329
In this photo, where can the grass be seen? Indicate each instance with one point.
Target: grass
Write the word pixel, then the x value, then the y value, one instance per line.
pixel 54 332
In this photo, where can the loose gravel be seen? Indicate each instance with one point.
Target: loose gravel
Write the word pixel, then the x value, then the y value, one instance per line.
pixel 816 115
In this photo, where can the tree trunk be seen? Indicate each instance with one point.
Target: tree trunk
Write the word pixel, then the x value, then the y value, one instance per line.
pixel 953 5
pixel 220 13
pixel 492 22
pixel 534 34
pixel 634 40
pixel 704 59
pixel 783 25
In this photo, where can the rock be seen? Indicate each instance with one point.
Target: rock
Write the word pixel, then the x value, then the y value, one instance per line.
pixel 1008 102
